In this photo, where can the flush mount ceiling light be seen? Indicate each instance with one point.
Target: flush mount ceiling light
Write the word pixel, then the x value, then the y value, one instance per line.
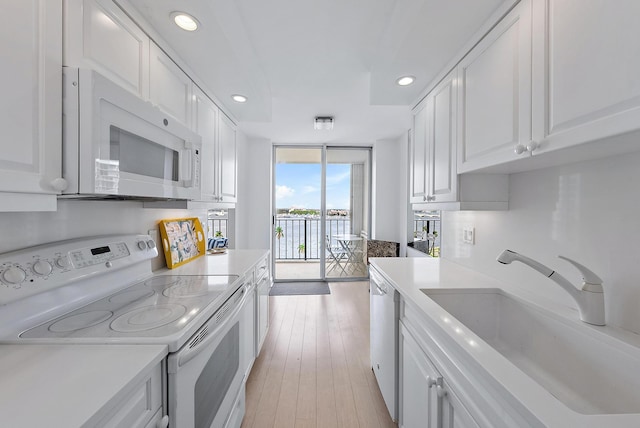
pixel 323 122
pixel 185 21
pixel 405 80
pixel 239 98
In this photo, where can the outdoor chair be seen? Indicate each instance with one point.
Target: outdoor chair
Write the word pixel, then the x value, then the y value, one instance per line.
pixel 336 254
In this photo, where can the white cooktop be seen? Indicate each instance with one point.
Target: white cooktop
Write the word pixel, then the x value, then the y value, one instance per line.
pixel 102 290
pixel 157 307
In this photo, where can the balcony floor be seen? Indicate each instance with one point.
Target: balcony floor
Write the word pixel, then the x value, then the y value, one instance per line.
pixel 310 269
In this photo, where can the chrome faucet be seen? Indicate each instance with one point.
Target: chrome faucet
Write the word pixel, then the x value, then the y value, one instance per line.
pixel 590 298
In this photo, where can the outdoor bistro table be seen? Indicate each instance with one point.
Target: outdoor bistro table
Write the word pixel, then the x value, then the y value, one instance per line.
pixel 350 244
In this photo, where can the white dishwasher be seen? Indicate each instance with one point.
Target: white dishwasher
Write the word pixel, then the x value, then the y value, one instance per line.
pixel 384 315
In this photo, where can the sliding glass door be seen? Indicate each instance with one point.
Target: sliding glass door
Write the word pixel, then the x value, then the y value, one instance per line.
pixel 321 212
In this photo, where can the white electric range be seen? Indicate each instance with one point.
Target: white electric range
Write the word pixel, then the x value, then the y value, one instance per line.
pixel 102 290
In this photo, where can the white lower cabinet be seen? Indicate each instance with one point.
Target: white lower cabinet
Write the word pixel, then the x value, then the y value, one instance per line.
pixel 140 405
pixel 426 398
pixel 249 330
pixel 262 308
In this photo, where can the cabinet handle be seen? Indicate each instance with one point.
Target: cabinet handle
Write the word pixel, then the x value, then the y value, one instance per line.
pixel 163 423
pixel 431 198
pixel 59 184
pixel 520 149
pixel 440 391
pixel 532 145
pixel 431 382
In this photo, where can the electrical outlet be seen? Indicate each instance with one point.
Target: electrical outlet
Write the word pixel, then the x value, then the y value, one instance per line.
pixel 155 235
pixel 469 235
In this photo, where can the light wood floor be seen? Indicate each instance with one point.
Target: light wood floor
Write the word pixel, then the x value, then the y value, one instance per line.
pixel 314 369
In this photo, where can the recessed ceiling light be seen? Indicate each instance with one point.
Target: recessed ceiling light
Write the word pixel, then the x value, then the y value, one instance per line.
pixel 239 98
pixel 405 80
pixel 185 21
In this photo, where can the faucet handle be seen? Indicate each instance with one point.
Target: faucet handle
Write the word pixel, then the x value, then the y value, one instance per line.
pixel 592 282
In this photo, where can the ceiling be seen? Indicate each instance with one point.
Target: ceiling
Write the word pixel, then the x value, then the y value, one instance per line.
pixel 297 59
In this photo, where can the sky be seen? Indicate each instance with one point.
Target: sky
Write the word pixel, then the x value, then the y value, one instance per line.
pixel 298 185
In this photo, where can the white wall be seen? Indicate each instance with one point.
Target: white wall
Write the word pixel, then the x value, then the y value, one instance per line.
pixel 389 198
pixel 76 218
pixel 587 211
pixel 253 210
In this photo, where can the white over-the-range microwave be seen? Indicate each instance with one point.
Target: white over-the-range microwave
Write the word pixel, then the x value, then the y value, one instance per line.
pixel 116 144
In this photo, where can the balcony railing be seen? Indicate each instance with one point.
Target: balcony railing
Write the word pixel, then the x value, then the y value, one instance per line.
pixel 301 236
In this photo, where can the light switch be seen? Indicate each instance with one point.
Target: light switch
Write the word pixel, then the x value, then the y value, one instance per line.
pixel 469 235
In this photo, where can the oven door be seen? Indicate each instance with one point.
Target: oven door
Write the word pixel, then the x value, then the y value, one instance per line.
pixel 206 375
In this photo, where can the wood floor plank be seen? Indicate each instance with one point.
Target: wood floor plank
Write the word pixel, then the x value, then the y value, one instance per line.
pixel 314 369
pixel 306 408
pixel 326 399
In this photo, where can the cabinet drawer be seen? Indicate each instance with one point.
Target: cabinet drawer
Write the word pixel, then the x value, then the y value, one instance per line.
pixel 262 269
pixel 139 404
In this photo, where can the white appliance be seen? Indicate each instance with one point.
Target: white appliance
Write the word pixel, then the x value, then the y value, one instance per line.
pixel 116 144
pixel 384 318
pixel 101 290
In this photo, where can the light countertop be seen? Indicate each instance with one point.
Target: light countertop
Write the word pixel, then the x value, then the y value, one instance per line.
pixel 68 385
pixel 233 262
pixel 409 275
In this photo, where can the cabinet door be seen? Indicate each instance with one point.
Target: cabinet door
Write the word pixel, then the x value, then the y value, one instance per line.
pixel 494 95
pixel 31 120
pixel 442 173
pixel 454 414
pixel 419 154
pixel 228 159
pixel 169 87
pixel 100 36
pixel 262 307
pixel 205 123
pixel 586 70
pixel 419 403
pixel 248 332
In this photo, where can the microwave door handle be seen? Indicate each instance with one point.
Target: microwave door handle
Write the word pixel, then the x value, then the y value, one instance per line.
pixel 188 165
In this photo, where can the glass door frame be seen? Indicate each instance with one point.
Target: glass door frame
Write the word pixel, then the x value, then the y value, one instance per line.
pixel 323 205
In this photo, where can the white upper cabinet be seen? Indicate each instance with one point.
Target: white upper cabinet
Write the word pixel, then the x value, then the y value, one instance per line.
pixel 434 177
pixel 100 36
pixel 31 122
pixel 442 173
pixel 586 71
pixel 205 123
pixel 419 155
pixel 228 159
pixel 494 94
pixel 435 183
pixel 219 158
pixel 169 87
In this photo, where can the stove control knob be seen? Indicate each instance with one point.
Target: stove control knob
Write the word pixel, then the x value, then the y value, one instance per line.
pixel 42 267
pixel 63 263
pixel 142 245
pixel 151 244
pixel 14 275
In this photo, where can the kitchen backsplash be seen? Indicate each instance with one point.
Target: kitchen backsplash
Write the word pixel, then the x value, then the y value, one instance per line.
pixel 77 218
pixel 588 211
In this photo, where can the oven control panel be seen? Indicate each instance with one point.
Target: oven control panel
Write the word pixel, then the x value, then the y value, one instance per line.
pixel 37 269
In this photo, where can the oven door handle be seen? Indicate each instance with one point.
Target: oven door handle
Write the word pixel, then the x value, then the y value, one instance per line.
pixel 183 357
